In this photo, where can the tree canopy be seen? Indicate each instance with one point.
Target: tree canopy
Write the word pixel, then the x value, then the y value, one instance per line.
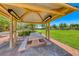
pixel 4 23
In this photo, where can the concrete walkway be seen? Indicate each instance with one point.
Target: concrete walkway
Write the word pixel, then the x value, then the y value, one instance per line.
pixel 69 49
pixel 54 44
pixel 46 50
pixel 4 38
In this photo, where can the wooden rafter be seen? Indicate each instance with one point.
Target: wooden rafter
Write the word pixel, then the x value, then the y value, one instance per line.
pixel 4 14
pixel 26 13
pixel 4 9
pixel 39 15
pixel 69 6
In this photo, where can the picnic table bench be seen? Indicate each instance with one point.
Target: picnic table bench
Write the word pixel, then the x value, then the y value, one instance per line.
pixel 23 44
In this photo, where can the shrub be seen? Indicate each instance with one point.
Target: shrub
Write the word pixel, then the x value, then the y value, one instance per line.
pixel 24 33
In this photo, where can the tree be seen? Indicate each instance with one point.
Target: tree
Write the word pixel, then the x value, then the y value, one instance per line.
pixel 54 26
pixel 4 23
pixel 74 26
pixel 43 26
pixel 32 27
pixel 63 26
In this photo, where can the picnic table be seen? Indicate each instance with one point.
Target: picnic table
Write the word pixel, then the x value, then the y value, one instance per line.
pixel 35 36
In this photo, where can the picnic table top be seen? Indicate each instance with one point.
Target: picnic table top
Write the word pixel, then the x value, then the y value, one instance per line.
pixel 36 36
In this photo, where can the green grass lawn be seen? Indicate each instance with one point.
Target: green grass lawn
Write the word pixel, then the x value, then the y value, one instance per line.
pixel 69 37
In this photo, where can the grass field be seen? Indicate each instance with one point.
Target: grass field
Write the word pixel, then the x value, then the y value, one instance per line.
pixel 69 37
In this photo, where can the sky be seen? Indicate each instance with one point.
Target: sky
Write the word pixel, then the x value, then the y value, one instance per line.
pixel 72 18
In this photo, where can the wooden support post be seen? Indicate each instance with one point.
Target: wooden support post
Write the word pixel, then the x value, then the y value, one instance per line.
pixel 14 31
pixel 11 33
pixel 48 30
pixel 13 36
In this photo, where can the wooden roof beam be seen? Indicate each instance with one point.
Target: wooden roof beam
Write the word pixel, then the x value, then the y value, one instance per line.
pixel 2 13
pixel 68 6
pixel 4 10
pixel 35 22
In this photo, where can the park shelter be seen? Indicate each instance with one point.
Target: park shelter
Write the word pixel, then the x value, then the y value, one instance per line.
pixel 35 13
